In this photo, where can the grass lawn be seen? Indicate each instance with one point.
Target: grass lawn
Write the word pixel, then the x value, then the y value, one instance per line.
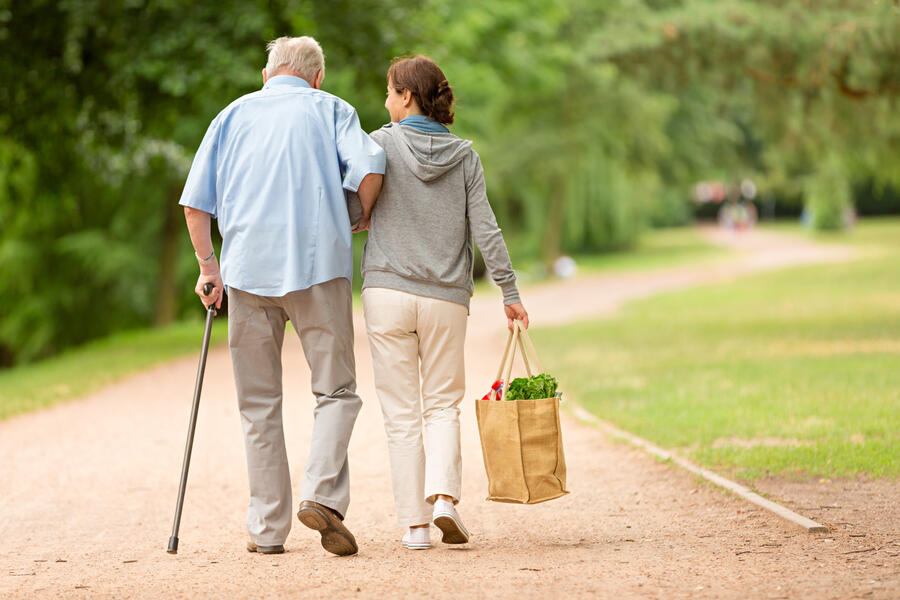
pixel 793 373
pixel 89 367
pixel 657 249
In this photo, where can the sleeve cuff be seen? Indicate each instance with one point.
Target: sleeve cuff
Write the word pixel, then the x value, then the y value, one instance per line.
pixel 510 293
pixel 353 177
pixel 198 206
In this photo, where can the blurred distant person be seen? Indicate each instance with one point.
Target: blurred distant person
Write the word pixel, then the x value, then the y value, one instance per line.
pixel 418 281
pixel 269 169
pixel 737 215
pixel 565 267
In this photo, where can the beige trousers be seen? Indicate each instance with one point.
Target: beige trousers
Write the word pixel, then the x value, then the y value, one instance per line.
pixel 323 318
pixel 408 333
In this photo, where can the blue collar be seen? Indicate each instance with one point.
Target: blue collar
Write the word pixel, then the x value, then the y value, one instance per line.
pixel 291 80
pixel 423 123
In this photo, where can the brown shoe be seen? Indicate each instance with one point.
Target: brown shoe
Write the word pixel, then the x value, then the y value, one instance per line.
pixel 336 538
pixel 251 547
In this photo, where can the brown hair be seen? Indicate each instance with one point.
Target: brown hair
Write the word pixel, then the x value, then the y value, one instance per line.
pixel 427 84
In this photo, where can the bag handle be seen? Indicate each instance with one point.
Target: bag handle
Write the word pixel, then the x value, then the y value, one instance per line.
pixel 512 358
pixel 509 340
pixel 509 344
pixel 523 335
pixel 518 336
pixel 521 346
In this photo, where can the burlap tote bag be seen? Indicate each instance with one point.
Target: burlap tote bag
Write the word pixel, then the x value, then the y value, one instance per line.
pixel 521 440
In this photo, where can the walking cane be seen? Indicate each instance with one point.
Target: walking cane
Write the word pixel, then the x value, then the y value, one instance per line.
pixel 210 313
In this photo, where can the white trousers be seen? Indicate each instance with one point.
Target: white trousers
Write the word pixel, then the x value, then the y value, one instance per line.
pixel 406 333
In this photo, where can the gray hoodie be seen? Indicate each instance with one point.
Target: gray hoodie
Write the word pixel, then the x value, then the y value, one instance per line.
pixel 432 203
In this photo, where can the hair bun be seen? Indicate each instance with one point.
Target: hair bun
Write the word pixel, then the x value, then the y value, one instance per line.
pixel 428 85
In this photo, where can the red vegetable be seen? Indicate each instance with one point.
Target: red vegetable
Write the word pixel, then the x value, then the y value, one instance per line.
pixel 498 386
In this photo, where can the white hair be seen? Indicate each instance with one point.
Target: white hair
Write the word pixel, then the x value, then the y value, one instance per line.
pixel 302 55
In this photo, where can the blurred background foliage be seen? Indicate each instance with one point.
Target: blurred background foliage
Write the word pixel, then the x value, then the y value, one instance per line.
pixel 594 120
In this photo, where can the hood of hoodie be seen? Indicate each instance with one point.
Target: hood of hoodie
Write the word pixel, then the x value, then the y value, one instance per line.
pixel 428 155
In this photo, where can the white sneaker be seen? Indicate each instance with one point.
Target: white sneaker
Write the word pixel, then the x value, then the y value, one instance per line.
pixel 417 538
pixel 447 520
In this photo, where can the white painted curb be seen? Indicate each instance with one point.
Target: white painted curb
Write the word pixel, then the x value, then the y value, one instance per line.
pixel 745 493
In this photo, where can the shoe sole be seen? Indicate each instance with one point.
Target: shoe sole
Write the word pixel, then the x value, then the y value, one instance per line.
pixel 335 537
pixel 416 546
pixel 259 550
pixel 452 530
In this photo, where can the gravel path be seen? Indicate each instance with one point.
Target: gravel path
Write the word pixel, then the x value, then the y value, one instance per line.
pixel 88 490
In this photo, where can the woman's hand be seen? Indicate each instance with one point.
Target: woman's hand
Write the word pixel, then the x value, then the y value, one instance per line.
pixel 516 312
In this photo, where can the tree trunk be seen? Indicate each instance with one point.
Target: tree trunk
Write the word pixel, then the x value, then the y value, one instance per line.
pixel 556 215
pixel 166 285
pixel 555 222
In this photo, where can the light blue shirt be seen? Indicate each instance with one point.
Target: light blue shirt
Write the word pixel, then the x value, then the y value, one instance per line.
pixel 269 169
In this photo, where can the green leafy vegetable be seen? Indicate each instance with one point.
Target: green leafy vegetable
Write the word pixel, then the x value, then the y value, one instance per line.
pixel 537 386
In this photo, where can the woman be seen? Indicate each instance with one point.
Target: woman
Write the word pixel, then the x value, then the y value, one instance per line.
pixel 417 268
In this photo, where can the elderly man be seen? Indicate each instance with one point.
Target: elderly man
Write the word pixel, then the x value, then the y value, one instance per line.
pixel 270 170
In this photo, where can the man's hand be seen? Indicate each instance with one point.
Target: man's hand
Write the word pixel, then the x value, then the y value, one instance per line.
pixel 215 296
pixel 362 225
pixel 516 312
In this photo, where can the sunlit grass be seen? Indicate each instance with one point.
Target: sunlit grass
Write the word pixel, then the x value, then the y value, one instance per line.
pixel 792 372
pixel 84 369
pixel 656 249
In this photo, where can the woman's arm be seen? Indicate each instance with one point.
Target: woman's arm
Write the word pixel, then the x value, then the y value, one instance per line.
pixel 483 225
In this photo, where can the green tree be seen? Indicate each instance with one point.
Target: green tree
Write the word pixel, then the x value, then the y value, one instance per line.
pixel 103 106
pixel 593 119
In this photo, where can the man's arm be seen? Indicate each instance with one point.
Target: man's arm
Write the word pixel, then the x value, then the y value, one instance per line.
pixel 198 224
pixel 363 163
pixel 199 201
